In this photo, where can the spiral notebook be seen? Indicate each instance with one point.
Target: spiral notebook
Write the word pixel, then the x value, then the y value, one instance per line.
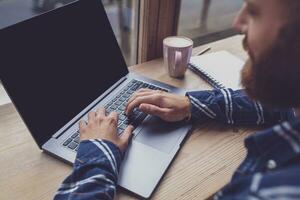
pixel 220 69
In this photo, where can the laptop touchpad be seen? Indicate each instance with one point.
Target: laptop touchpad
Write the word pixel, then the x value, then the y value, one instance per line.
pixel 161 135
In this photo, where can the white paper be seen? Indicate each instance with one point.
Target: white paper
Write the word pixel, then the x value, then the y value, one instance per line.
pixel 222 66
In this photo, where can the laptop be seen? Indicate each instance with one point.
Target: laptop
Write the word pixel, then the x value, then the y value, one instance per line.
pixel 59 66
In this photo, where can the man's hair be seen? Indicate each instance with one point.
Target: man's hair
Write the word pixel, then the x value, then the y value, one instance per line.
pixel 274 79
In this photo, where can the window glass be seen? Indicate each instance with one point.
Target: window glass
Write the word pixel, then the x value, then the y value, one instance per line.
pixel 123 16
pixel 207 20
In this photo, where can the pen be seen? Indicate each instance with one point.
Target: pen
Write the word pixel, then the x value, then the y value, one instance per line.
pixel 203 51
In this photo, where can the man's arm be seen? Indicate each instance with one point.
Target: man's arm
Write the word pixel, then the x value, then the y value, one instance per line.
pixel 233 107
pixel 225 106
pixel 95 172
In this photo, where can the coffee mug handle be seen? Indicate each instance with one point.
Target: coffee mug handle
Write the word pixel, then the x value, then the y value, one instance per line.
pixel 178 59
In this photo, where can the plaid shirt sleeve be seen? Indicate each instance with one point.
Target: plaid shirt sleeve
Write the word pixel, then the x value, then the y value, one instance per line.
pixel 95 172
pixel 233 107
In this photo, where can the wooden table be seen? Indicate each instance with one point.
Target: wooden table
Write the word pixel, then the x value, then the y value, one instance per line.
pixel 204 164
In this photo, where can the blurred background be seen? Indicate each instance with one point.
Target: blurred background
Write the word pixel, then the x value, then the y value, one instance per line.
pixel 202 20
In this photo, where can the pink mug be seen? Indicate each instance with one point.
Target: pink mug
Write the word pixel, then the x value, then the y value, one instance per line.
pixel 177 54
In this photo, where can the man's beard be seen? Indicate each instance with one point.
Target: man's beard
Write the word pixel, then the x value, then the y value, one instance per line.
pixel 274 78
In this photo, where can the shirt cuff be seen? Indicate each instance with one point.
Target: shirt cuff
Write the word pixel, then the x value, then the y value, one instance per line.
pixel 200 112
pixel 95 150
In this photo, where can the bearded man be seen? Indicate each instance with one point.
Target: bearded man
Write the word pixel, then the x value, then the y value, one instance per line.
pixel 271 78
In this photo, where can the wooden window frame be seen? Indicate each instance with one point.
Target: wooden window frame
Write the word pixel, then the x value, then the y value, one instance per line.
pixel 158 20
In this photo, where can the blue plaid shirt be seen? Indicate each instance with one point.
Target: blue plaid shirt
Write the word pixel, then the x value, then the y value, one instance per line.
pixel 271 169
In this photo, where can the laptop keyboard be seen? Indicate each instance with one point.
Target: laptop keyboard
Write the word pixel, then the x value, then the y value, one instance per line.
pixel 118 104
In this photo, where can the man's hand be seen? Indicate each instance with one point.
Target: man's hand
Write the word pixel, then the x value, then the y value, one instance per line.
pixel 167 106
pixel 100 126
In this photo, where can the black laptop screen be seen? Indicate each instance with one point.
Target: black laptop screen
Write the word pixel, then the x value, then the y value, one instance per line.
pixel 56 64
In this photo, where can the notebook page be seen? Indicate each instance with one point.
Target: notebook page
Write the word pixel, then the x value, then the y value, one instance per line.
pixel 222 66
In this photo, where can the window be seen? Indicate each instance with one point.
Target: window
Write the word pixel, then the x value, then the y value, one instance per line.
pixel 123 16
pixel 207 20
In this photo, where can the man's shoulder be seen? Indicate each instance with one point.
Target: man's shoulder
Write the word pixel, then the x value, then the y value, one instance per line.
pixel 281 183
pixel 290 126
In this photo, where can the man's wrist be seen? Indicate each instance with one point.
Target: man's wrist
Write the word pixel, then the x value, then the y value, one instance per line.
pixel 188 112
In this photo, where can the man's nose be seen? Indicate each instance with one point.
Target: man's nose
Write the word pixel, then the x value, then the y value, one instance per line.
pixel 240 23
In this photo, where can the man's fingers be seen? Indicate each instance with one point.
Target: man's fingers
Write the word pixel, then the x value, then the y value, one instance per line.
pixel 140 93
pixel 82 127
pixel 127 134
pixel 145 90
pixel 100 112
pixel 150 99
pixel 91 116
pixel 154 110
pixel 82 124
pixel 113 115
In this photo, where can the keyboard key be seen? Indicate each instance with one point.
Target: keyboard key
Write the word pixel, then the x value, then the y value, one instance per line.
pixel 139 119
pixel 123 126
pixel 144 85
pixel 122 99
pixel 120 131
pixel 126 122
pixel 73 145
pixel 163 89
pixel 136 86
pixel 130 83
pixel 141 86
pixel 118 103
pixel 136 111
pixel 126 95
pixel 128 87
pixel 119 123
pixel 122 117
pixel 77 140
pixel 109 110
pixel 122 107
pixel 67 142
pixel 75 134
pixel 130 91
pixel 114 107
pixel 108 104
